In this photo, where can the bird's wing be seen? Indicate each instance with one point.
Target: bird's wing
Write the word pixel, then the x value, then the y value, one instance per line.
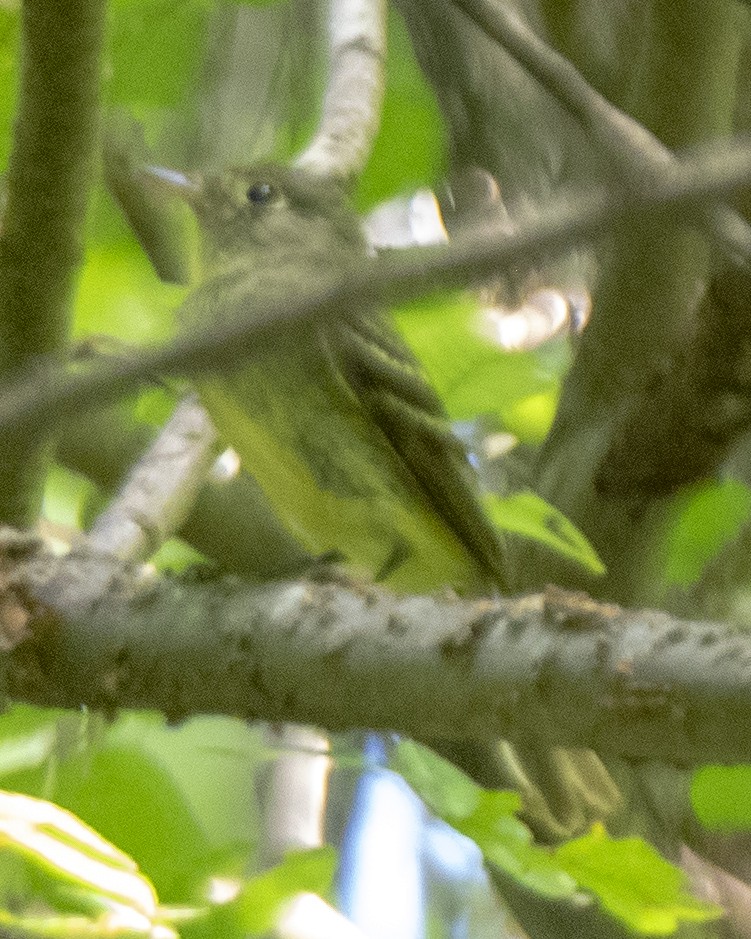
pixel 388 382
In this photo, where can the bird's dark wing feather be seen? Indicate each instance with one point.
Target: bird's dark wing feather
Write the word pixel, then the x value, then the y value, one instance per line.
pixel 386 378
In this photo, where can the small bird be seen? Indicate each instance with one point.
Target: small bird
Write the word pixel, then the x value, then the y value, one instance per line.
pixel 333 416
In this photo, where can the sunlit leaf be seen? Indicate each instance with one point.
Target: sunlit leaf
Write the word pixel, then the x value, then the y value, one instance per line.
pixel 69 859
pixel 527 514
pixel 486 816
pixel 256 909
pixel 473 375
pixel 633 882
pixel 408 151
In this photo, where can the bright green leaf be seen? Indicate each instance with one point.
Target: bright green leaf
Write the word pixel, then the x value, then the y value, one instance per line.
pixel 67 860
pixel 484 815
pixel 721 797
pixel 473 375
pixel 126 794
pixel 703 521
pixel 300 872
pixel 633 882
pixel 527 514
pixel 408 150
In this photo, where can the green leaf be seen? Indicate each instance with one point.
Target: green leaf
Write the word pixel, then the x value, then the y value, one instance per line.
pixel 127 795
pixel 300 872
pixel 256 909
pixel 408 150
pixel 703 521
pixel 28 738
pixel 69 861
pixel 633 882
pixel 472 374
pixel 721 797
pixel 484 815
pixel 527 514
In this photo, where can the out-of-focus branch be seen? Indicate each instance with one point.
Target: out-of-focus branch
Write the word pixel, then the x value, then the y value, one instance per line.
pixel 49 394
pixel 354 90
pixel 681 430
pixel 556 668
pixel 637 155
pixel 231 521
pixel 48 183
pixel 158 223
pixel 160 489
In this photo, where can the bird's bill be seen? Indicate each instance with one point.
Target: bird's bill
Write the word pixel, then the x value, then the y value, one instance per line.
pixel 188 188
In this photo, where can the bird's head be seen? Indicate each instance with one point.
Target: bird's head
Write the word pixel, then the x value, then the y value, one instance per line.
pixel 266 209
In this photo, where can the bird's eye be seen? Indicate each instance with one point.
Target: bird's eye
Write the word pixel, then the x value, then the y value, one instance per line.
pixel 260 194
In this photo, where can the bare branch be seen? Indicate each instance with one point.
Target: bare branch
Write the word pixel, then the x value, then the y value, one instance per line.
pixel 636 154
pixel 556 668
pixel 104 445
pixel 160 489
pixel 354 92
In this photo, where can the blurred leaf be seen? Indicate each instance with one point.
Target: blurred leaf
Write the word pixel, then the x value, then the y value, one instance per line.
pixel 633 882
pixel 67 862
pixel 486 816
pixel 300 872
pixel 130 798
pixel 527 514
pixel 146 69
pixel 120 296
pixel 408 152
pixel 211 760
pixel 721 797
pixel 531 418
pixel 472 375
pixel 67 497
pixel 702 521
pixel 27 738
pixel 256 909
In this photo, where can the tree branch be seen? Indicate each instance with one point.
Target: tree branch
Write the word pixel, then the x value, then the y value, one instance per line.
pixel 354 90
pixel 637 155
pixel 49 178
pixel 556 668
pixel 105 444
pixel 49 393
pixel 160 489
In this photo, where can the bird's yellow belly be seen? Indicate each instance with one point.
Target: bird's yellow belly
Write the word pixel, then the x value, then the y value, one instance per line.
pixel 336 482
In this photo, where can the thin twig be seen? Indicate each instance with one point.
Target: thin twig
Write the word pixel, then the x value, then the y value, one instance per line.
pixel 49 394
pixel 104 445
pixel 160 489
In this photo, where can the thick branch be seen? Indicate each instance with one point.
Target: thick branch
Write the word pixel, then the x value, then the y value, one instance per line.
pixel 49 176
pixel 555 668
pixel 50 394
